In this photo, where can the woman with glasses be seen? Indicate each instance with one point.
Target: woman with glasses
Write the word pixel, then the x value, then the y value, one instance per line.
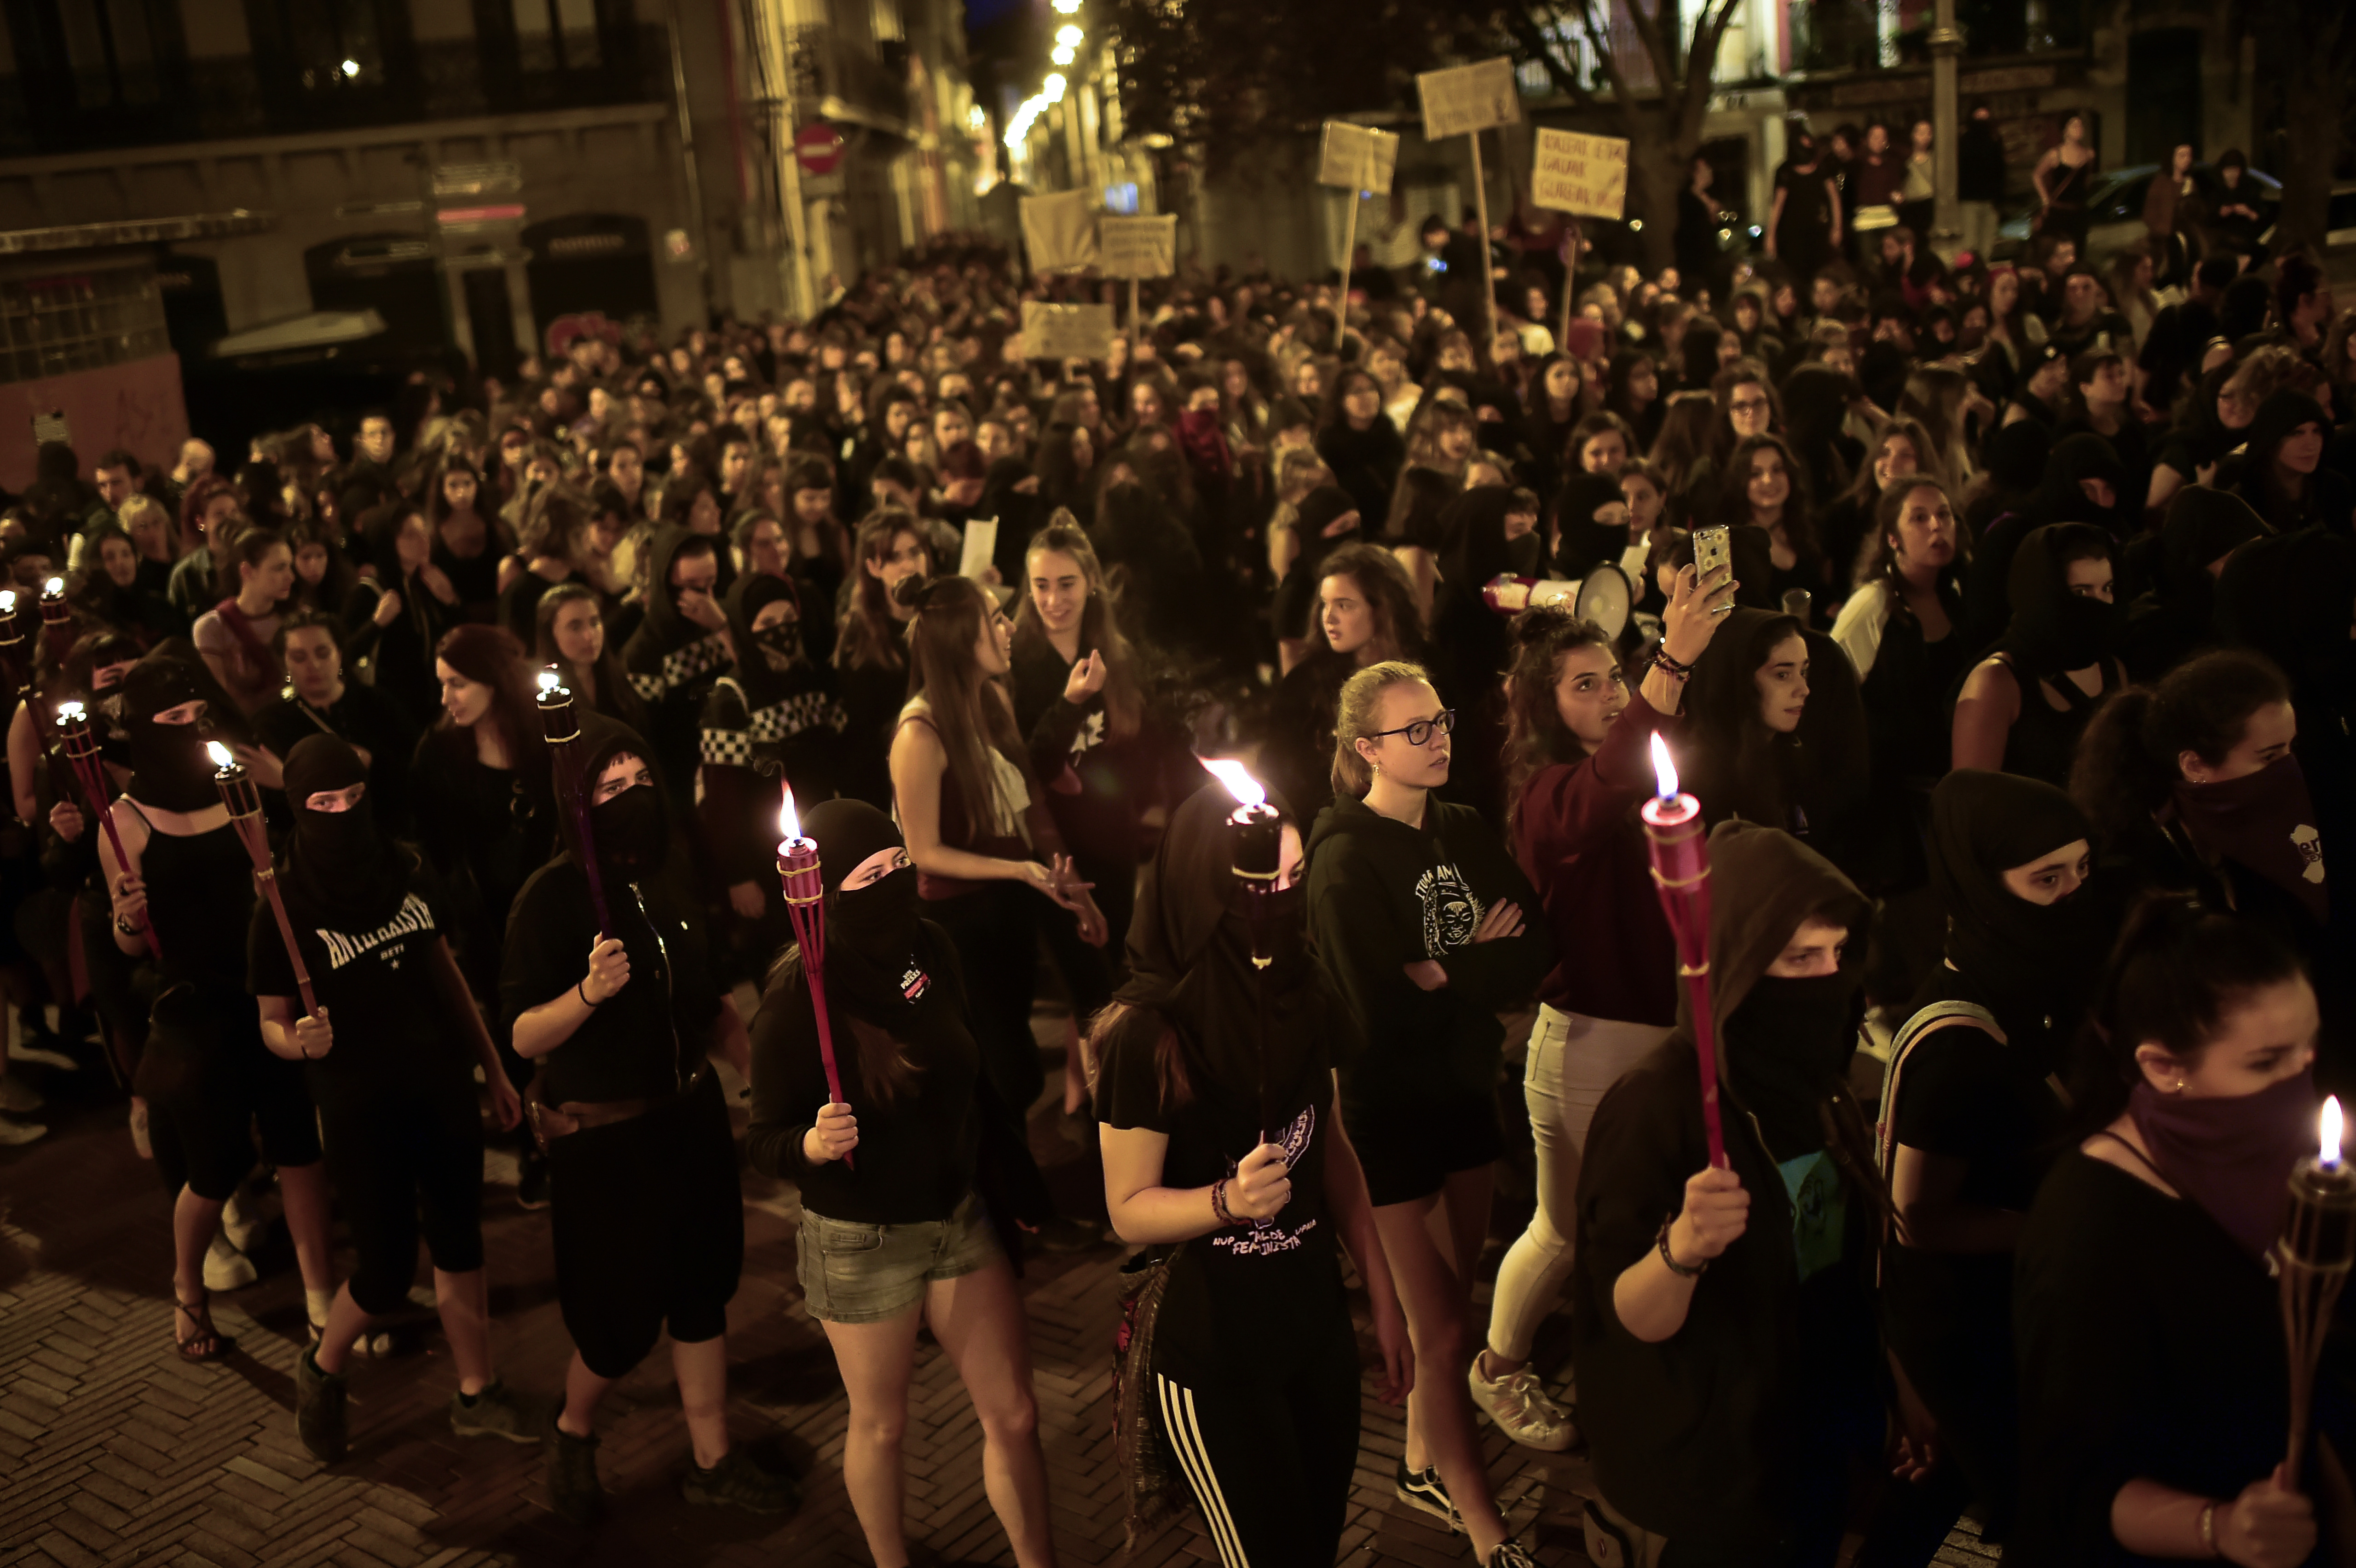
pixel 1416 911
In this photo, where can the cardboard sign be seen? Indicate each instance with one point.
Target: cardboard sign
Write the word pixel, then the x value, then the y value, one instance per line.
pixel 981 548
pixel 1137 247
pixel 1357 158
pixel 1582 174
pixel 1066 331
pixel 1060 232
pixel 1468 98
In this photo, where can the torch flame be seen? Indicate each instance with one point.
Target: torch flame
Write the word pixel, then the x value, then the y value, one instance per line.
pixel 219 754
pixel 548 679
pixel 1241 785
pixel 1665 772
pixel 2328 1125
pixel 789 821
pixel 72 710
pixel 54 585
pixel 7 602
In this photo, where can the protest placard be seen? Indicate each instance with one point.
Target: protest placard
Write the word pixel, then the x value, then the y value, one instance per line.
pixel 1059 231
pixel 1357 158
pixel 1583 174
pixel 1468 98
pixel 1137 247
pixel 981 546
pixel 1066 331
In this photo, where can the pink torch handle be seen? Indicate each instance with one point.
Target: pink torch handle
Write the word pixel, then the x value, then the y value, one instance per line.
pixel 1680 854
pixel 797 871
pixel 85 772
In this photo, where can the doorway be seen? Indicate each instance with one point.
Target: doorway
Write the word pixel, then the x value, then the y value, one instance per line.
pixel 490 319
pixel 2163 93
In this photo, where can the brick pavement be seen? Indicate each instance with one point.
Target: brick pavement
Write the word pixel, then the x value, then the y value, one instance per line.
pixel 112 1450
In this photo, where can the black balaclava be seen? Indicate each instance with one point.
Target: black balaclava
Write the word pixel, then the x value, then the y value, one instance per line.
pixel 338 867
pixel 2061 498
pixel 632 830
pixel 2041 960
pixel 870 931
pixel 2203 525
pixel 2288 598
pixel 170 769
pixel 1585 542
pixel 2053 629
pixel 1475 550
pixel 1317 510
pixel 2017 456
pixel 760 654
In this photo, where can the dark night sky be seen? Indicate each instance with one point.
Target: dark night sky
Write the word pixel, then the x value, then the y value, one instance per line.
pixel 981 14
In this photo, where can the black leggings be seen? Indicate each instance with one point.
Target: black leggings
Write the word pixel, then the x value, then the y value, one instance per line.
pixel 394 1157
pixel 1269 1460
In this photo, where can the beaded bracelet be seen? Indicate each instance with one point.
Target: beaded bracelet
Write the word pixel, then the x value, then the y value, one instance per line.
pixel 1668 666
pixel 1683 1271
pixel 1219 1202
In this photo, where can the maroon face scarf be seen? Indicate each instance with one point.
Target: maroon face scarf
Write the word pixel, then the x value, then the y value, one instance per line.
pixel 2232 1156
pixel 2265 821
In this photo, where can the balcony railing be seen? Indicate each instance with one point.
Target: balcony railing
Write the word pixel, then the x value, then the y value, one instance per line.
pixel 833 79
pixel 1829 35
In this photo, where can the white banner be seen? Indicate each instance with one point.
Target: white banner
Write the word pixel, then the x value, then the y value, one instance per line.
pixel 1137 247
pixel 1357 158
pixel 1468 98
pixel 1066 331
pixel 1060 232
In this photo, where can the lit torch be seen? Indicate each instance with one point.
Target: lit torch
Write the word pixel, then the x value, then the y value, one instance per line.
pixel 799 873
pixel 562 729
pixel 1256 856
pixel 1680 853
pixel 244 802
pixel 79 743
pixel 2316 1248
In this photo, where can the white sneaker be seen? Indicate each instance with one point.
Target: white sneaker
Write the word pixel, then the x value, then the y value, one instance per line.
pixel 17 1097
pixel 44 1056
pixel 245 1220
pixel 14 1133
pixel 1518 1403
pixel 226 1268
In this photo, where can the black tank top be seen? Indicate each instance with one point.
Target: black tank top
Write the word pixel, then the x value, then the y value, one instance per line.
pixel 2044 739
pixel 200 897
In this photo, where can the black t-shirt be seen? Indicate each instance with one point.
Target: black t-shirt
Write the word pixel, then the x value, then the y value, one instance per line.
pixel 648 1038
pixel 394 1035
pixel 915 1158
pixel 1243 1301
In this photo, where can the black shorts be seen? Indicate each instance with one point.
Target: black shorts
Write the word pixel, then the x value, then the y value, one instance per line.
pixel 403 1164
pixel 211 1085
pixel 1410 1149
pixel 649 1221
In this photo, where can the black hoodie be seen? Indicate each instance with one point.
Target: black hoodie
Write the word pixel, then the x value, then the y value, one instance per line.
pixel 1383 895
pixel 1693 1438
pixel 673 662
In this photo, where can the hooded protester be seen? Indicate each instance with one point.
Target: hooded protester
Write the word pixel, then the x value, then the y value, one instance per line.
pixel 645 1210
pixel 1020 513
pixel 900 1232
pixel 2023 706
pixel 1214 1083
pixel 1471 643
pixel 2282 472
pixel 1416 912
pixel 2177 617
pixel 1329 517
pixel 678 651
pixel 2149 1434
pixel 1972 1103
pixel 2081 484
pixel 773 715
pixel 183 875
pixel 2014 467
pixel 319 699
pixel 1720 1325
pixel 391 1056
pixel 2289 599
pixel 1777 731
pixel 1590 532
pixel 396 619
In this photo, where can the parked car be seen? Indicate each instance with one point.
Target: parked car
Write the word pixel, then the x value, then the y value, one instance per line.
pixel 2115 210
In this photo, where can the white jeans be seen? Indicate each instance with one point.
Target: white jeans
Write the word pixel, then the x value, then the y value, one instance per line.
pixel 1572 1060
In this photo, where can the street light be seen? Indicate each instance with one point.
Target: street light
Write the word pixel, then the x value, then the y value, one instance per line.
pixel 1069 35
pixel 1053 89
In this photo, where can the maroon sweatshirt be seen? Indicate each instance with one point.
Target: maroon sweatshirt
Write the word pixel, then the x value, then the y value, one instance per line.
pixel 1577 838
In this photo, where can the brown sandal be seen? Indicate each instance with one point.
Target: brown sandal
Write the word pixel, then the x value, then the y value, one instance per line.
pixel 200 1318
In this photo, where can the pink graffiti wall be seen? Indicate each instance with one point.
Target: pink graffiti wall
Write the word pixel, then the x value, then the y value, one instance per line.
pixel 136 406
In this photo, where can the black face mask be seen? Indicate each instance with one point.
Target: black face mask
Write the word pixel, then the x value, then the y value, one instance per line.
pixel 1786 1048
pixel 169 766
pixel 2085 629
pixel 780 644
pixel 1527 553
pixel 629 830
pixel 879 921
pixel 1277 922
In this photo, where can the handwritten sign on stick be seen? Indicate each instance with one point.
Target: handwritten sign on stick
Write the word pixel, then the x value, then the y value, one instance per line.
pixel 1066 331
pixel 1357 158
pixel 1137 247
pixel 1583 174
pixel 1464 99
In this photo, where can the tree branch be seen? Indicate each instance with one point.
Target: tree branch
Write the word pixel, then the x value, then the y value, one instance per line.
pixel 1523 29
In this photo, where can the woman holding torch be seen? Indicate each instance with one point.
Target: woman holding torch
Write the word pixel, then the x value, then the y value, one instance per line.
pixel 1721 1322
pixel 182 890
pixel 391 1055
pixel 902 1237
pixel 1214 1089
pixel 645 1210
pixel 1416 910
pixel 2154 1372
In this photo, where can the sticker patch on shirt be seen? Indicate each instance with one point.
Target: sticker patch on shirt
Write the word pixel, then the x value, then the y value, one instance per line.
pixel 1266 1238
pixel 1450 913
pixel 1819 1210
pixel 915 983
pixel 344 946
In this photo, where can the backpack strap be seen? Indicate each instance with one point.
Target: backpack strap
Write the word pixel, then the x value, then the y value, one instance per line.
pixel 1922 1026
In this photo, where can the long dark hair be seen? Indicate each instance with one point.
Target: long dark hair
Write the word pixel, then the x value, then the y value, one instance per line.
pixel 971 710
pixel 1535 735
pixel 2127 762
pixel 490 655
pixel 1399 624
pixel 1734 489
pixel 870 633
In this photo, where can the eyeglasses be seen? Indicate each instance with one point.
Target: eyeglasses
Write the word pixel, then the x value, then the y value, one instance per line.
pixel 1419 732
pixel 1747 405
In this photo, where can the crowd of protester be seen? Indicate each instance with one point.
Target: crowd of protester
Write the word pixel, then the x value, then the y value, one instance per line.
pixel 2000 616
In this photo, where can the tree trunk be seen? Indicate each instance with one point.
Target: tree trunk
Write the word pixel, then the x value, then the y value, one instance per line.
pixel 2308 44
pixel 1657 166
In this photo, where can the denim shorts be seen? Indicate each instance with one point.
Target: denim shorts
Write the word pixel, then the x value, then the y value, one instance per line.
pixel 853 1272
